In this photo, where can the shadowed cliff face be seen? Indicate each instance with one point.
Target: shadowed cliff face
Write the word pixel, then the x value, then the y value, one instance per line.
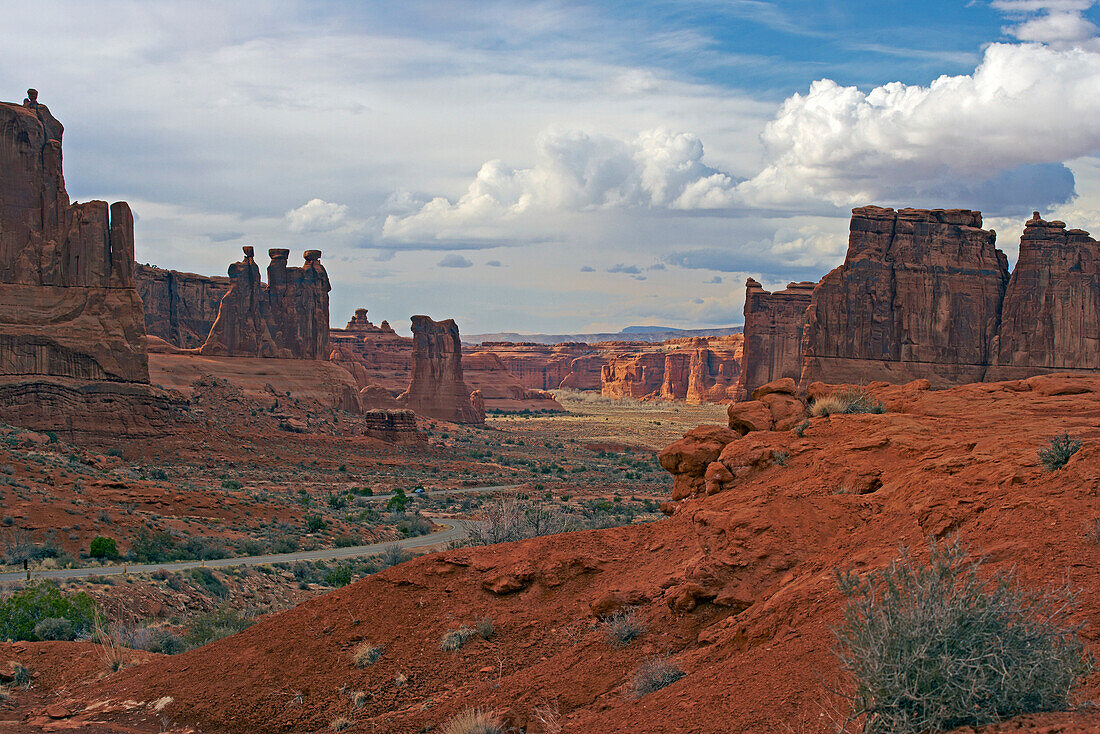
pixel 437 389
pixel 68 307
pixel 286 318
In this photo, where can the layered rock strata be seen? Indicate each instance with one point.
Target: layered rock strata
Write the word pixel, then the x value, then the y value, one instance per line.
pixel 773 334
pixel 72 353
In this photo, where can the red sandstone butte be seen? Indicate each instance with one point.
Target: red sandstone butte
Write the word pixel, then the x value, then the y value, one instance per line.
pixel 437 389
pixel 179 307
pixel 72 352
pixel 695 370
pixel 285 318
pixel 773 334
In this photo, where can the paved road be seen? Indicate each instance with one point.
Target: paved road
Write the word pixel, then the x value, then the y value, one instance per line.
pixel 439 492
pixel 456 529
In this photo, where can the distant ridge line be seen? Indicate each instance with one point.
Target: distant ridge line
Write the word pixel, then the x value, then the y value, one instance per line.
pixel 630 333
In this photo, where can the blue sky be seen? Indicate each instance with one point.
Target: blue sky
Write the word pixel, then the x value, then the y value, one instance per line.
pixel 553 166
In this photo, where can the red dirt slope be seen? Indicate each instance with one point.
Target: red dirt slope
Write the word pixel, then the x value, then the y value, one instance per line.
pixel 736 587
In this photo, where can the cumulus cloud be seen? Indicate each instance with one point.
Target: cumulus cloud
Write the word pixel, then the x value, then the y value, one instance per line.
pixel 996 137
pixel 621 268
pixel 1057 22
pixel 316 215
pixel 493 263
pixel 454 261
pixel 588 269
pixel 575 171
pixel 716 280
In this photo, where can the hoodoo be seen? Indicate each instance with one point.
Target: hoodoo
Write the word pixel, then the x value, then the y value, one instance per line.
pixel 72 352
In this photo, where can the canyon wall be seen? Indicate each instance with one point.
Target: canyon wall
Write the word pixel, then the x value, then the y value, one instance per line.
pixel 72 353
pixel 1050 320
pixel 773 334
pixel 925 294
pixel 285 318
pixel 179 307
pixel 696 370
pixel 437 389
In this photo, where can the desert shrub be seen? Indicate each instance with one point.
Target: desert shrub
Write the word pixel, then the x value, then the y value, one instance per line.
pixel 1092 531
pixel 800 429
pixel 158 474
pixel 163 641
pixel 212 626
pixel 208 582
pixel 653 675
pixel 413 525
pixel 20 676
pixel 933 647
pixel 315 523
pixel 392 555
pixel 231 484
pixel 398 502
pixel 41 600
pixel 506 520
pixel 341 723
pixel 359 699
pixel 474 721
pixel 848 400
pixel 455 639
pixel 485 628
pixel 102 547
pixel 155 547
pixel 1056 453
pixel 367 654
pixel 339 576
pixel 623 627
pixel 114 452
pixel 55 628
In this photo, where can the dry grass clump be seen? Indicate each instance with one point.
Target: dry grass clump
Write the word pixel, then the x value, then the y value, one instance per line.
pixel 653 675
pixel 359 699
pixel 474 721
pixel 367 654
pixel 485 628
pixel 340 724
pixel 550 717
pixel 1092 531
pixel 934 648
pixel 848 400
pixel 624 627
pixel 454 639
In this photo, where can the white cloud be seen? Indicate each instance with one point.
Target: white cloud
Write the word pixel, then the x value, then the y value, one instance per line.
pixel 961 137
pixel 316 216
pixel 454 261
pixel 1058 22
pixel 575 171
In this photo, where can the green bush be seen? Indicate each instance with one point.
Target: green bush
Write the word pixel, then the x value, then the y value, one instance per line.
pixel 340 576
pixel 315 523
pixel 55 628
pixel 933 647
pixel 206 628
pixel 1056 453
pixel 41 600
pixel 103 548
pixel 231 484
pixel 210 583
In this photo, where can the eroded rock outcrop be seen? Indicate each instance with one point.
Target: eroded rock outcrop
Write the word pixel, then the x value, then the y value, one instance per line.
pixel 179 307
pixel 437 389
pixel 286 318
pixel 919 295
pixel 393 426
pixel 1051 315
pixel 773 334
pixel 500 390
pixel 72 353
pixel 695 370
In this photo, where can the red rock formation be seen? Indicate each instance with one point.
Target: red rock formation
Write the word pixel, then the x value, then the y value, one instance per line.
pixel 359 322
pixel 547 367
pixel 437 389
pixel 1051 315
pixel 179 307
pixel 393 426
pixel 697 370
pixel 72 353
pixel 287 318
pixel 773 334
pixel 500 389
pixel 918 296
pixel 375 357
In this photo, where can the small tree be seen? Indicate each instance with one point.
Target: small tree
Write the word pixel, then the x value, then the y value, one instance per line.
pixel 934 647
pixel 102 547
pixel 21 613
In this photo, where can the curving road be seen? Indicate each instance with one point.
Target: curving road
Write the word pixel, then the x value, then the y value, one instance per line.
pixel 456 529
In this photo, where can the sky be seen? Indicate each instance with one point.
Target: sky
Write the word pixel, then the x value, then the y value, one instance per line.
pixel 560 166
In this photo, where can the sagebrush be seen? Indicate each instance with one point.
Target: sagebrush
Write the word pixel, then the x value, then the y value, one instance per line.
pixel 933 647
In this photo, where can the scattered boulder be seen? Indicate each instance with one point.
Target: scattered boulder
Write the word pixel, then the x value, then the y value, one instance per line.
pixel 752 415
pixel 687 459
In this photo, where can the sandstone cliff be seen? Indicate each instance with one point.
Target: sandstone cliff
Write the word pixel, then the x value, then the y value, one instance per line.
pixel 1051 315
pixel 286 318
pixel 773 334
pixel 437 389
pixel 72 354
pixel 696 370
pixel 179 307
